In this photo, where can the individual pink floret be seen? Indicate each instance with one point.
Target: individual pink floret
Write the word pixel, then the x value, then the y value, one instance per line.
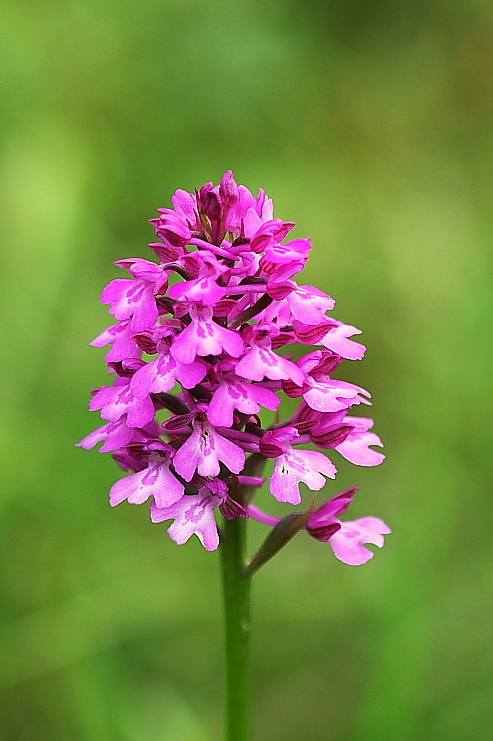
pixel 194 515
pixel 233 394
pixel 355 447
pixel 203 452
pixel 297 466
pixel 348 543
pixel 203 336
pixel 115 401
pixel 337 340
pixel 154 481
pixel 328 395
pixel 161 374
pixel 261 361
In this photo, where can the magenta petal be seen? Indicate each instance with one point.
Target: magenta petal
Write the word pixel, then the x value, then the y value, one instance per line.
pixel 193 514
pixel 189 456
pixel 297 466
pixel 132 298
pixel 155 481
pixel 91 440
pixel 146 313
pixel 199 519
pixel 337 340
pixel 115 435
pixel 349 542
pixel 204 450
pixel 121 337
pixel 201 290
pixel 203 337
pixel 116 293
pixel 189 375
pixel 186 204
pixel 261 362
pixel 160 375
pixel 154 377
pixel 114 401
pixel 221 409
pixel 355 449
pixel 327 395
pixel 325 515
pixel 246 397
pixel 308 304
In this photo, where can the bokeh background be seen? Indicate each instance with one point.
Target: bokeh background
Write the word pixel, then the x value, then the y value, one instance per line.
pixel 370 124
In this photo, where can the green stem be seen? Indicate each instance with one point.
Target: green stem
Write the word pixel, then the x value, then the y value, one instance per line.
pixel 236 591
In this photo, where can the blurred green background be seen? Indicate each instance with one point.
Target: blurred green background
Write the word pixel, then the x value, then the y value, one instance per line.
pixel 370 124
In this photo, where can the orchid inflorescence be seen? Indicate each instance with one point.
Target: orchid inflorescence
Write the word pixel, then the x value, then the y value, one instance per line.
pixel 195 356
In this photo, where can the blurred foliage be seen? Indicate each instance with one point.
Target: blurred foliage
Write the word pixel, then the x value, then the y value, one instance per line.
pixel 370 124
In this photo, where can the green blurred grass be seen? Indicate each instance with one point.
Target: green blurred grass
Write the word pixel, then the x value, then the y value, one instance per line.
pixel 370 125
